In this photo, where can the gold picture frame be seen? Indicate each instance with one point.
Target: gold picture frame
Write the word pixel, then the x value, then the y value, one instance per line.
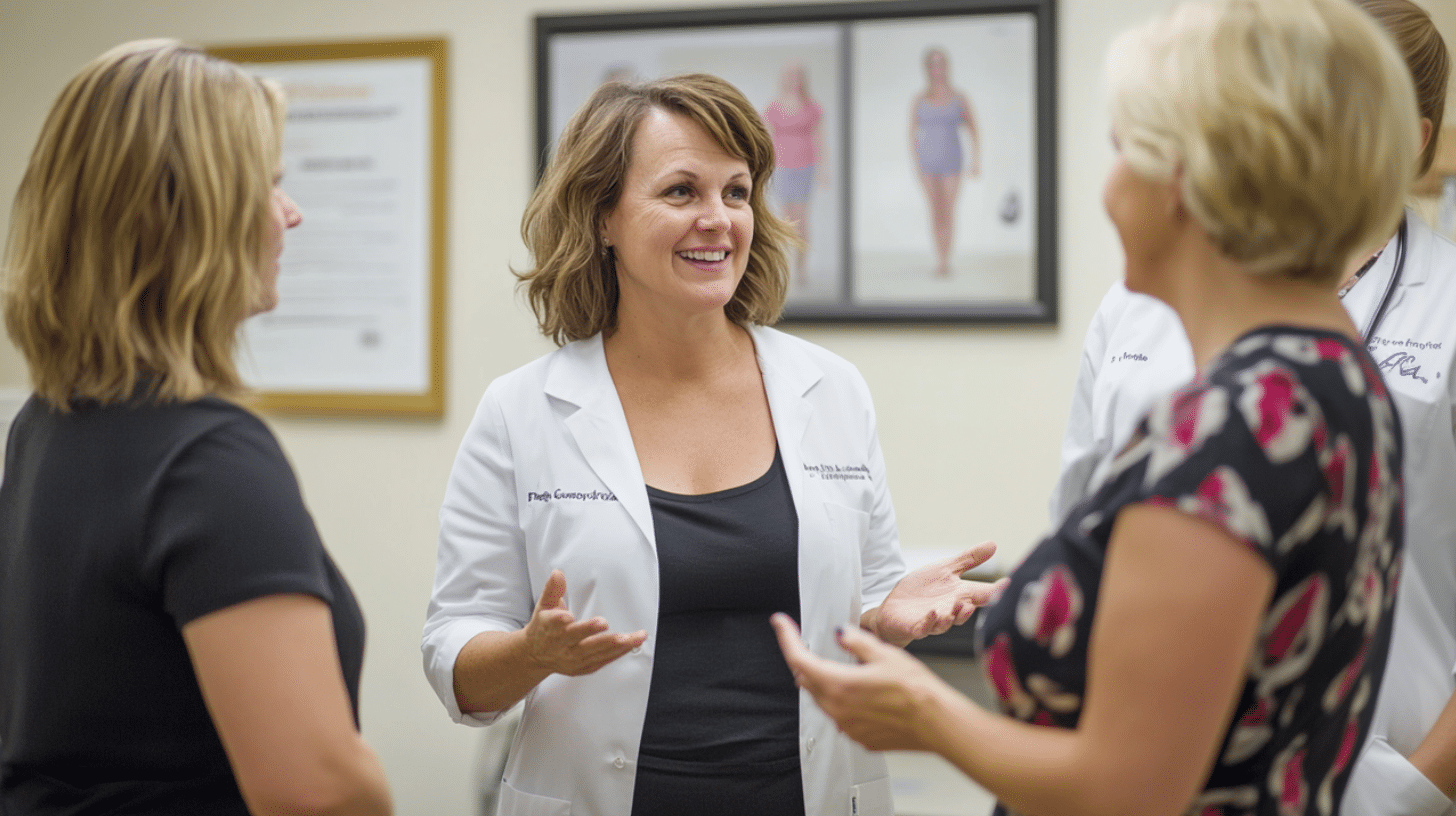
pixel 361 324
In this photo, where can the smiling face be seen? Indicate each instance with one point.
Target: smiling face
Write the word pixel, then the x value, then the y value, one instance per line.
pixel 682 228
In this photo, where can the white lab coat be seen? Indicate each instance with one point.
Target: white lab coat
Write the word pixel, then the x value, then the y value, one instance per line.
pixel 1135 351
pixel 1415 347
pixel 547 477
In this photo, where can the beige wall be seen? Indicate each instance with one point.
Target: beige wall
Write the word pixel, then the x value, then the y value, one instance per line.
pixel 970 418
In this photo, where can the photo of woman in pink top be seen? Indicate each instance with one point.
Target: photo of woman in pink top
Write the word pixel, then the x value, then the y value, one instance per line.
pixel 794 120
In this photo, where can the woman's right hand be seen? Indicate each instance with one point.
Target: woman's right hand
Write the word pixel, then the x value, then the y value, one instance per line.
pixel 557 642
pixel 495 670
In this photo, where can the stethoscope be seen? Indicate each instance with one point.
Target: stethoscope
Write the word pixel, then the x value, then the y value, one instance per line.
pixel 1374 322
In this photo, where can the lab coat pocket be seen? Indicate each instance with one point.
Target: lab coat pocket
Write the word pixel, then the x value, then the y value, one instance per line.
pixel 520 803
pixel 848 525
pixel 830 564
pixel 871 798
pixel 1385 783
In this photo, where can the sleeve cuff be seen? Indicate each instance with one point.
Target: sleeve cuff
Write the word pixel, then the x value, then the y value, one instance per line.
pixel 874 599
pixel 441 648
pixel 1384 783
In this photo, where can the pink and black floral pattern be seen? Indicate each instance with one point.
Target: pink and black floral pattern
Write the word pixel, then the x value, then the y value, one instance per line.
pixel 1287 442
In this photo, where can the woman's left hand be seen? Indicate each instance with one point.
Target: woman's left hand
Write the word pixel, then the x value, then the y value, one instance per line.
pixel 932 599
pixel 884 704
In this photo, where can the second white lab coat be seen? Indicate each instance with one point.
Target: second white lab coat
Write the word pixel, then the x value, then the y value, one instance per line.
pixel 1135 351
pixel 1415 347
pixel 547 478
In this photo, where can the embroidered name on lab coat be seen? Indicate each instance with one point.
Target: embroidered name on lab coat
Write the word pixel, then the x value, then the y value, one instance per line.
pixel 842 473
pixel 570 495
pixel 1408 343
pixel 1396 357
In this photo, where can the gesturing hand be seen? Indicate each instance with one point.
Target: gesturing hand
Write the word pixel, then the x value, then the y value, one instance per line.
pixel 885 704
pixel 557 642
pixel 934 598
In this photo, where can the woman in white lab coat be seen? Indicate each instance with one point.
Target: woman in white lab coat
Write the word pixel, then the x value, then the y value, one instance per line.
pixel 1405 302
pixel 626 512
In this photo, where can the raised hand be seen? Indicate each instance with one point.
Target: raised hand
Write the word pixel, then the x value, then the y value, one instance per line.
pixel 886 703
pixel 557 642
pixel 932 599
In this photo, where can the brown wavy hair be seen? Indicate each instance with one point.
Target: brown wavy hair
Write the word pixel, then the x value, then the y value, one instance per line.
pixel 573 286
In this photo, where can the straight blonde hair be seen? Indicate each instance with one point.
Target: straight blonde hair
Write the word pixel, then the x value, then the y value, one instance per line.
pixel 573 286
pixel 136 238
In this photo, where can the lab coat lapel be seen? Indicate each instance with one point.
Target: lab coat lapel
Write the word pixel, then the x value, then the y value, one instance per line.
pixel 1419 251
pixel 1418 260
pixel 594 416
pixel 1413 270
pixel 788 377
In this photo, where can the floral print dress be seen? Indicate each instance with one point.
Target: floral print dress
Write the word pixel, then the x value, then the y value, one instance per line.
pixel 1289 443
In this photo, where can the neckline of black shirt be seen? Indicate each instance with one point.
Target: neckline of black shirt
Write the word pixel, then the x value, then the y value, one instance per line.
pixel 718 495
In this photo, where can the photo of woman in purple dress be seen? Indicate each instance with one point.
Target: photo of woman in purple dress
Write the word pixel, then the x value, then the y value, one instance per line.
pixel 936 118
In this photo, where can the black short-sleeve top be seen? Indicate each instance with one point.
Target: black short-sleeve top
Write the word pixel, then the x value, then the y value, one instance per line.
pixel 118 526
pixel 1289 443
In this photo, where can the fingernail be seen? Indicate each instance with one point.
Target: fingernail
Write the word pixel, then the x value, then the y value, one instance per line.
pixel 838 632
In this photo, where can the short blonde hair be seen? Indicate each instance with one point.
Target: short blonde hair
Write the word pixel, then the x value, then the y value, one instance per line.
pixel 1425 55
pixel 1291 125
pixel 573 286
pixel 137 233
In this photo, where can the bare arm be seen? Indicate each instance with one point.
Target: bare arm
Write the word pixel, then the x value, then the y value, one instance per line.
pixel 493 673
pixel 495 670
pixel 1173 586
pixel 269 673
pixel 968 118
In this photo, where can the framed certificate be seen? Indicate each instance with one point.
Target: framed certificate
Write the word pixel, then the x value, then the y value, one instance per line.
pixel 360 323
